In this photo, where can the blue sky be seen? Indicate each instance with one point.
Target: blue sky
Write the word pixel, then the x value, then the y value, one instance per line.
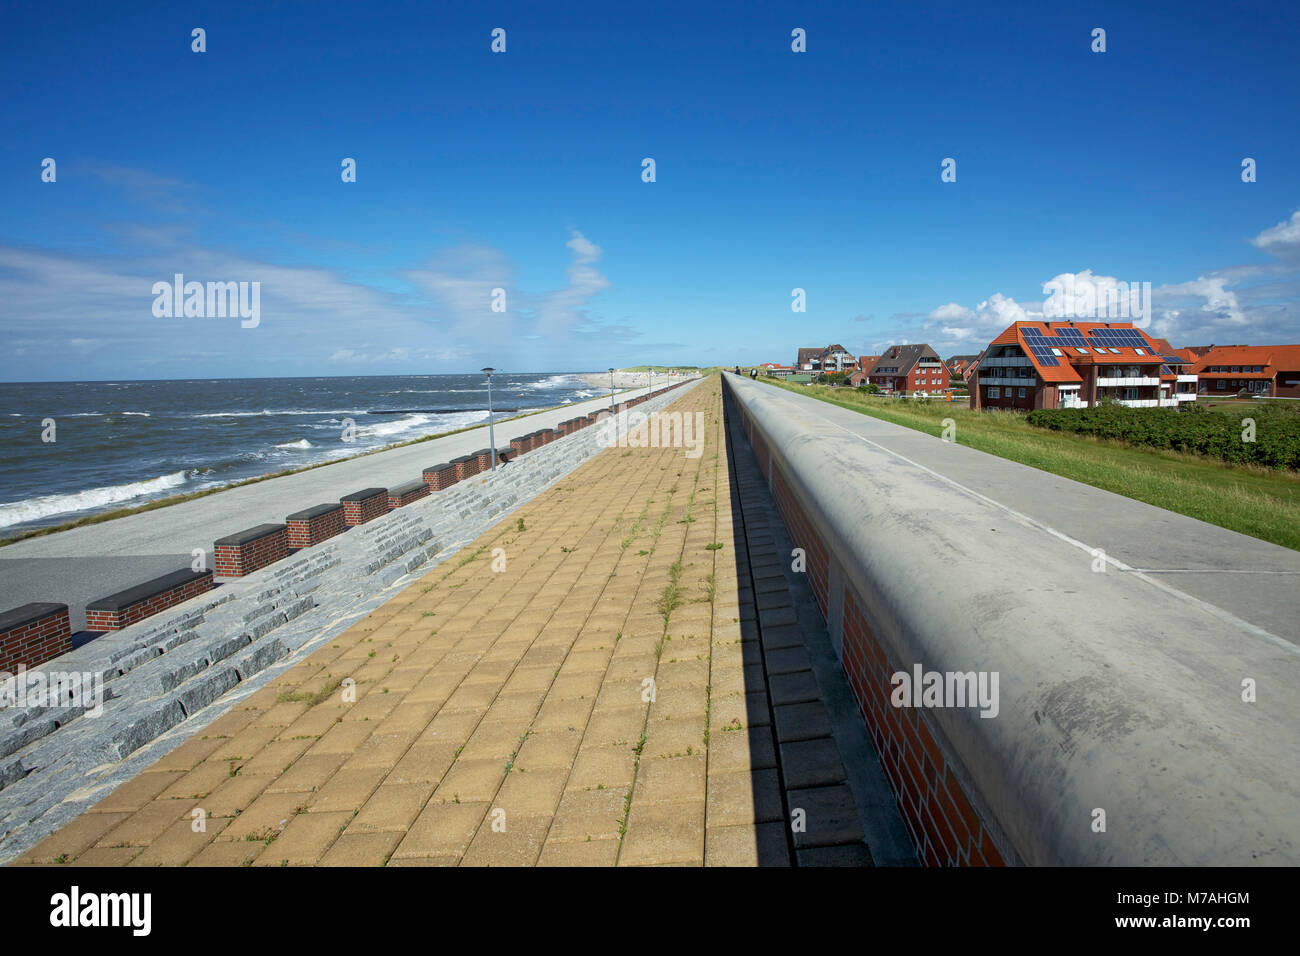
pixel 522 170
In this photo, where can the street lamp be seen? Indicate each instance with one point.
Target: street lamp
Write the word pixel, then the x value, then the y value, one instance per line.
pixel 650 377
pixel 611 391
pixel 492 436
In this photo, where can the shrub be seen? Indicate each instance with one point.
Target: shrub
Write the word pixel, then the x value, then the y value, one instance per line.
pixel 1195 430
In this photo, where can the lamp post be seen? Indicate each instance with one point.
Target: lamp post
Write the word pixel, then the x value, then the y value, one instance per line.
pixel 611 391
pixel 650 377
pixel 492 437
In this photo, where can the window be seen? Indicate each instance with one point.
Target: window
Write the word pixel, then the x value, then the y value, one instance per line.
pixel 1236 369
pixel 1021 393
pixel 995 392
pixel 1081 351
pixel 1139 352
pixel 1056 351
pixel 1115 351
pixel 1220 383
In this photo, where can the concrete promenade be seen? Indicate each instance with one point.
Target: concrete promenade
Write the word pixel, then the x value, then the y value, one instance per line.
pixel 1254 583
pixel 592 682
pixel 82 564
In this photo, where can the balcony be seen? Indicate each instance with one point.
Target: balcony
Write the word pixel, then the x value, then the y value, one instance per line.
pixel 1189 378
pixel 1128 382
pixel 1149 402
pixel 1009 380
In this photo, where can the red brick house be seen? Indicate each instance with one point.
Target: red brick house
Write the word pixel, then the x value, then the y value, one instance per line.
pixel 1271 371
pixel 832 358
pixel 909 368
pixel 957 365
pixel 1076 365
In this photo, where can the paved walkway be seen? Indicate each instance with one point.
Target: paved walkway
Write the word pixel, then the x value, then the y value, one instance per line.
pixel 88 562
pixel 584 685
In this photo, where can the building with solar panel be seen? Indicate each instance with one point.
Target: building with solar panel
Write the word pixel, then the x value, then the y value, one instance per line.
pixel 1078 365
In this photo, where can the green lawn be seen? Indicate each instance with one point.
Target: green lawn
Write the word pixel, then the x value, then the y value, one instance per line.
pixel 1259 502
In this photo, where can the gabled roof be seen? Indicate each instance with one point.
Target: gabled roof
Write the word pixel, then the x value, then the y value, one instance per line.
pixel 902 357
pixel 1274 358
pixel 1079 344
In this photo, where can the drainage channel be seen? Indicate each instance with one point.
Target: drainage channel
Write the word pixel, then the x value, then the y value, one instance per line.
pixel 834 816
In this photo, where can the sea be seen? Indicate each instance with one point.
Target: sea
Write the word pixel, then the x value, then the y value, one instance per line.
pixel 122 444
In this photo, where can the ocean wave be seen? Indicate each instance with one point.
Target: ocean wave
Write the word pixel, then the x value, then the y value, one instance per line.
pixel 554 381
pixel 140 414
pixel 33 509
pixel 300 443
pixel 282 411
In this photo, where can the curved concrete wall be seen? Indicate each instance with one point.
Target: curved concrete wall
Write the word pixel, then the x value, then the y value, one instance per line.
pixel 1113 695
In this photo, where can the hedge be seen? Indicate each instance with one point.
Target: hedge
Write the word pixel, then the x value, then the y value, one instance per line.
pixel 1189 429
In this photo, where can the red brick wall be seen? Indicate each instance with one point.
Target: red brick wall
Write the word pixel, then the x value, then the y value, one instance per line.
pixel 237 560
pixel 466 469
pixel 440 478
pixel 944 826
pixel 115 620
pixel 398 501
pixel 304 534
pixel 368 509
pixel 35 643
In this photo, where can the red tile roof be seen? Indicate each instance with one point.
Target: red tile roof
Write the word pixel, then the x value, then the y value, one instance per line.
pixel 1274 358
pixel 1070 356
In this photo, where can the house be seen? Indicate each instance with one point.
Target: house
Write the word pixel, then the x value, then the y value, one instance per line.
pixel 957 364
pixel 1269 371
pixel 1076 365
pixel 832 358
pixel 909 368
pixel 968 373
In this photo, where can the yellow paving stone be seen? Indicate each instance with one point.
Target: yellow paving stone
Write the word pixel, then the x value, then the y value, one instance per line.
pixel 348 789
pixel 195 751
pixel 441 830
pixel 664 833
pixel 180 842
pixel 583 814
pixel 745 749
pixel 549 750
pixel 144 825
pixel 234 795
pixel 743 798
pixel 608 766
pixel 361 849
pixel 199 782
pixel 471 781
pixel 275 757
pixel 587 853
pixel 76 838
pixel 138 791
pixel 424 763
pixel 308 772
pixel 108 856
pixel 532 792
pixel 266 816
pixel 380 750
pixel 394 806
pixel 519 843
pixel 246 744
pixel 229 724
pixel 668 737
pixel 228 853
pixel 670 780
pixel 760 845
pixel 304 841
